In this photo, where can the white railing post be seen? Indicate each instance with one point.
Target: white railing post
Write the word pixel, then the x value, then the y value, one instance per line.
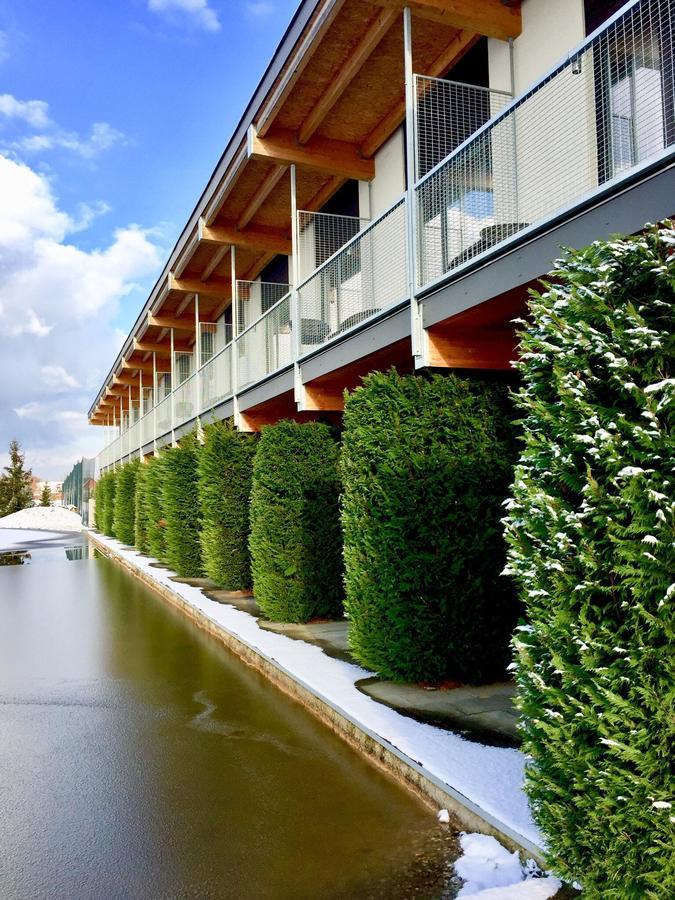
pixel 416 327
pixel 173 391
pixel 294 277
pixel 234 350
pixel 198 364
pixel 154 403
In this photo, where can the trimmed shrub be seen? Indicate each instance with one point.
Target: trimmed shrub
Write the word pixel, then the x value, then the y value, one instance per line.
pixel 180 502
pixel 225 467
pixel 590 533
pixel 125 503
pixel 140 509
pixel 154 508
pixel 101 498
pixel 296 557
pixel 426 465
pixel 109 508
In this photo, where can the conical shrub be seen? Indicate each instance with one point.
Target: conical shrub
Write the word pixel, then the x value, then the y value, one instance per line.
pixel 180 503
pixel 125 503
pixel 154 507
pixel 141 513
pixel 225 468
pixel 296 545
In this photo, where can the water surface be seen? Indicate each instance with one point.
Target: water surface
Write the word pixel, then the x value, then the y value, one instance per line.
pixel 140 759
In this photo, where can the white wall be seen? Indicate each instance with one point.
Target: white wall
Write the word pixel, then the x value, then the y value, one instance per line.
pixel 389 181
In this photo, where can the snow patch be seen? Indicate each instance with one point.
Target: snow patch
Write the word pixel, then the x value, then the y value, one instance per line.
pixel 44 518
pixel 490 872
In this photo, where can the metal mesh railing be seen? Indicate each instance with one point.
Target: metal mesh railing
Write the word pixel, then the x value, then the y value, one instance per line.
pixel 366 276
pixel 254 298
pixel 147 429
pixel 446 114
pixel 213 336
pixel 321 235
pixel 134 439
pixel 215 379
pixel 185 401
pixel 606 109
pixel 163 417
pixel 266 345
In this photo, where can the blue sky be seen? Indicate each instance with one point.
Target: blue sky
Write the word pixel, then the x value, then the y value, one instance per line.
pixel 113 114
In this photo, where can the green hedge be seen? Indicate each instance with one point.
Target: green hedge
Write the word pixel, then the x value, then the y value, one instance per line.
pixel 225 467
pixel 154 508
pixel 101 498
pixel 295 539
pixel 180 503
pixel 125 503
pixel 426 465
pixel 590 530
pixel 108 517
pixel 140 510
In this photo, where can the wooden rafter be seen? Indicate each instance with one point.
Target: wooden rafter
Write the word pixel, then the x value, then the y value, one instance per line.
pixel 215 261
pixel 493 18
pixel 261 194
pixel 319 154
pixel 310 43
pixel 455 50
pixel 271 240
pixel 194 286
pixel 137 365
pixel 352 66
pixel 185 325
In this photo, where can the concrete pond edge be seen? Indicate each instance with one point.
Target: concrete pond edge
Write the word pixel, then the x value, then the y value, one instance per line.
pixel 425 785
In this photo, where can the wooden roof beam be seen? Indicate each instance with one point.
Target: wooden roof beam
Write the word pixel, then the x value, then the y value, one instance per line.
pixel 492 18
pixel 261 194
pixel 452 54
pixel 310 43
pixel 269 240
pixel 352 66
pixel 161 349
pixel 193 286
pixel 215 261
pixel 185 325
pixel 138 366
pixel 319 154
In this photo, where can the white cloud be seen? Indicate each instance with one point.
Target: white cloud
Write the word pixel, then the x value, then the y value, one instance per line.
pixel 57 379
pixel 34 112
pixel 197 12
pixel 260 9
pixel 58 305
pixel 102 136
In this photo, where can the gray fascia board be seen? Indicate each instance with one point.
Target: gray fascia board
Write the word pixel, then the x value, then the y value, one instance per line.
pixel 298 23
pixel 649 200
pixel 278 384
pixel 380 334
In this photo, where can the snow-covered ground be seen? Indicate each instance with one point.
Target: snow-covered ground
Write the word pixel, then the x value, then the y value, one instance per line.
pixel 490 777
pixel 47 518
pixel 490 872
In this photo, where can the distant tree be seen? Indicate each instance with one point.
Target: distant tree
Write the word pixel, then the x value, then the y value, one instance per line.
pixel 46 495
pixel 15 483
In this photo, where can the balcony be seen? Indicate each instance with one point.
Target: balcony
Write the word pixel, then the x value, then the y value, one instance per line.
pixel 490 171
pixel 597 118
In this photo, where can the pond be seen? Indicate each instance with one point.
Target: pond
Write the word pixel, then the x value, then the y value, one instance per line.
pixel 141 759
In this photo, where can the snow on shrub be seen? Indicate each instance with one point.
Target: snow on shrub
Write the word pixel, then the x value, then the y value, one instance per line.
pixel 125 503
pixel 180 505
pixel 590 532
pixel 225 467
pixel 296 546
pixel 426 465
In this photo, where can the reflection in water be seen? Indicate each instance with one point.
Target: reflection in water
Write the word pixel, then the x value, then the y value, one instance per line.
pixel 14 557
pixel 143 760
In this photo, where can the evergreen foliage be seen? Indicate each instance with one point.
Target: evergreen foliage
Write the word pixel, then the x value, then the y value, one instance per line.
pixel 140 510
pixel 46 495
pixel 590 533
pixel 100 501
pixel 125 503
pixel 180 502
pixel 225 467
pixel 154 507
pixel 295 542
pixel 426 465
pixel 108 513
pixel 15 484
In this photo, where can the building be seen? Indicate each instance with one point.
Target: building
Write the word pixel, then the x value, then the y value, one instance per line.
pixel 399 179
pixel 55 490
pixel 78 488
